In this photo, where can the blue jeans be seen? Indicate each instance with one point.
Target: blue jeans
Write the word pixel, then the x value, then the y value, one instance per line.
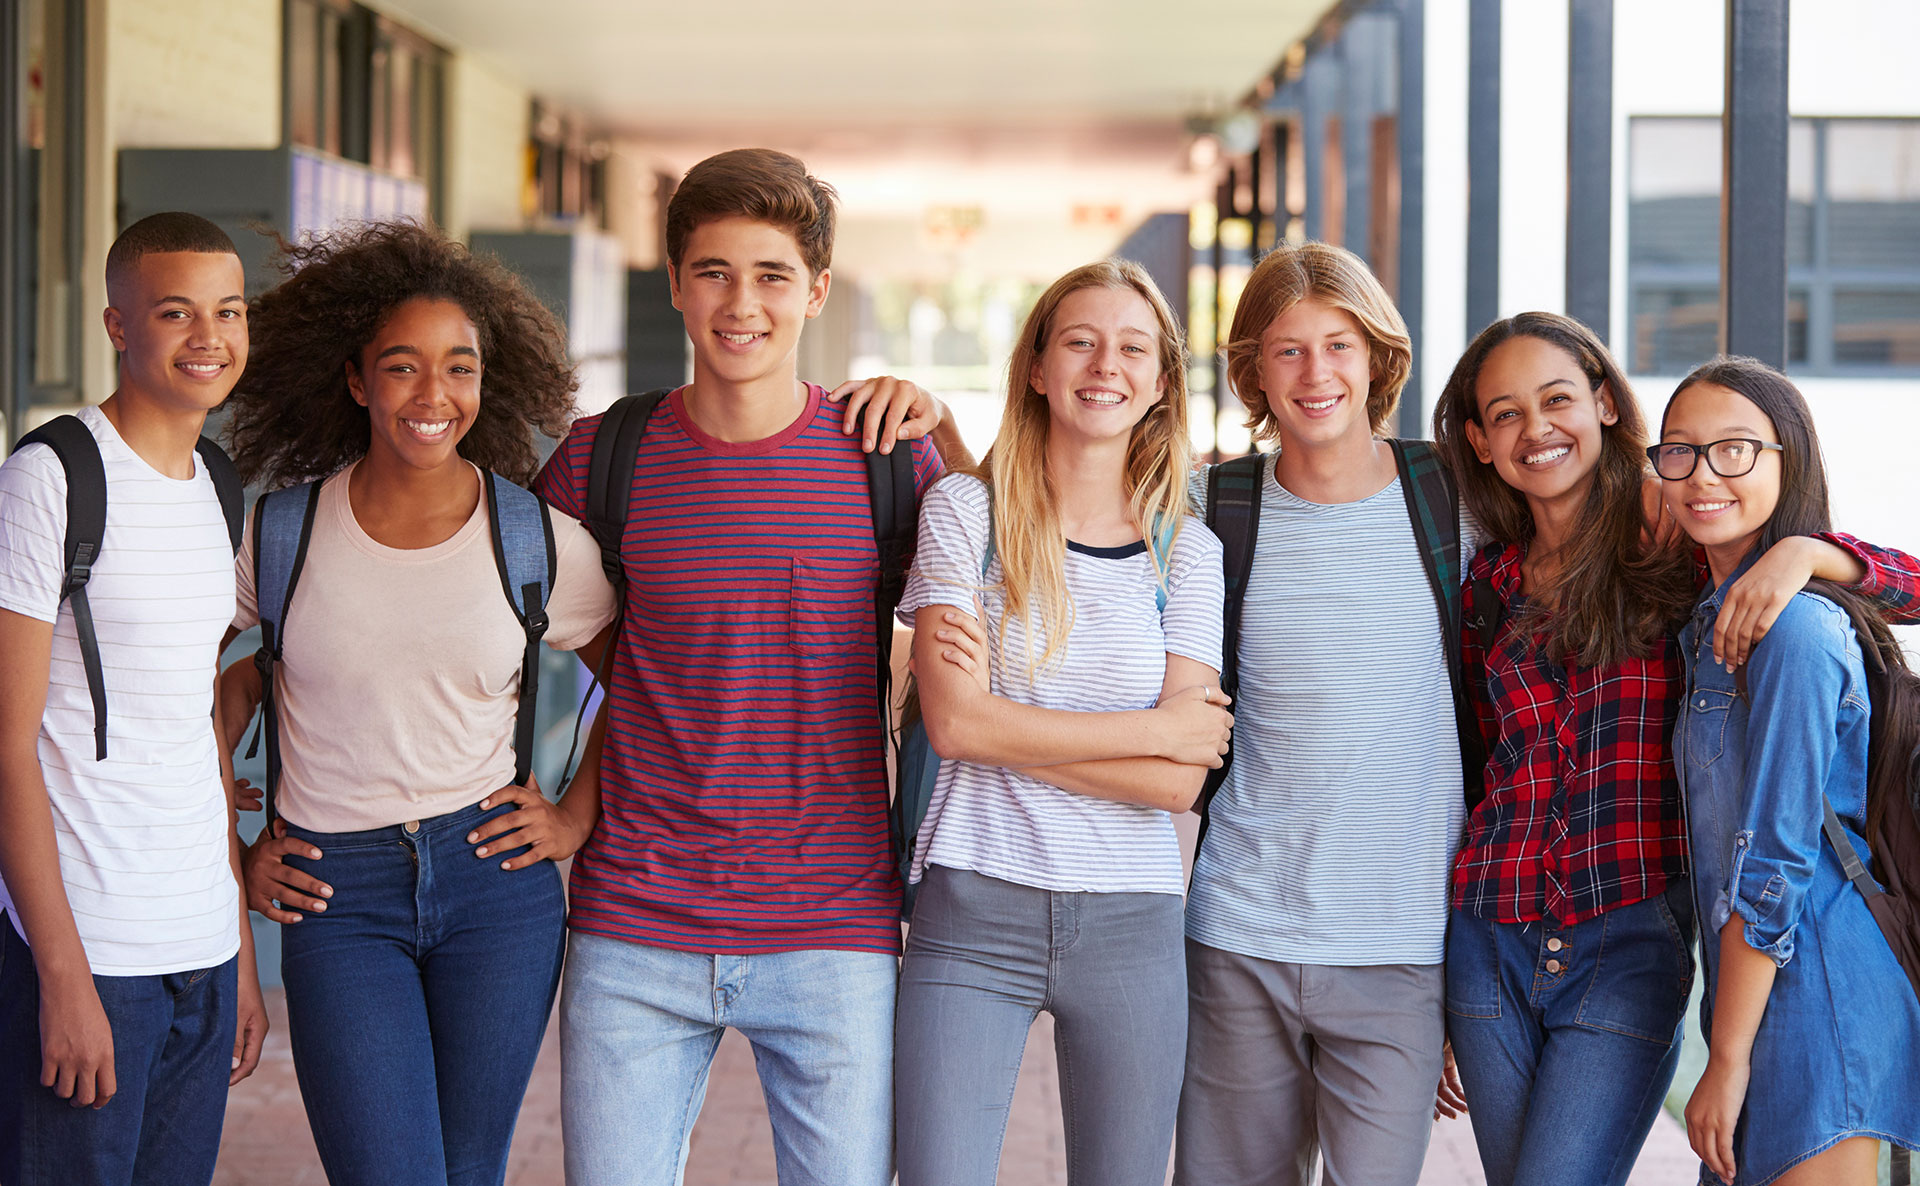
pixel 417 1000
pixel 1567 1037
pixel 638 1029
pixel 172 1053
pixel 984 957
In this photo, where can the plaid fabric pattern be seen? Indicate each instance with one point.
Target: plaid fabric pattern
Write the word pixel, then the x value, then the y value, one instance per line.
pixel 1582 810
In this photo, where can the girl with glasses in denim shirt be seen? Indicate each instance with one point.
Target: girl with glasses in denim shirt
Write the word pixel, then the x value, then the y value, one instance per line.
pixel 1813 1026
pixel 1568 966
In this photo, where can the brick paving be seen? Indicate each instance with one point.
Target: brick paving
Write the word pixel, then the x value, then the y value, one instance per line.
pixel 267 1142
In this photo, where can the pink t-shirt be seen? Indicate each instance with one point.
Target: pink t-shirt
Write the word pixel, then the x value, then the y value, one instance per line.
pixel 400 676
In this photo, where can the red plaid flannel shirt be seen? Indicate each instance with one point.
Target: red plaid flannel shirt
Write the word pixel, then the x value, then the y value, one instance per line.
pixel 1582 811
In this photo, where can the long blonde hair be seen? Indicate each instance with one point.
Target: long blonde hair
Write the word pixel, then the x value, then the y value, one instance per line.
pixel 1028 539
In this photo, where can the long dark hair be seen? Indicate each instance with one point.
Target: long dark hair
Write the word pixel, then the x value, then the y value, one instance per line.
pixel 1614 590
pixel 293 418
pixel 1804 509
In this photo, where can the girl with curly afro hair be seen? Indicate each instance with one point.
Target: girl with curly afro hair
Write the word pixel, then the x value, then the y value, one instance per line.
pixel 393 369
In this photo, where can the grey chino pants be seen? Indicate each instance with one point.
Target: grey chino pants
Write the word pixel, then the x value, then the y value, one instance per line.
pixel 1286 1061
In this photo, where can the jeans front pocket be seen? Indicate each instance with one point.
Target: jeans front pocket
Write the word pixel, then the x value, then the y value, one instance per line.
pixel 1643 970
pixel 1473 966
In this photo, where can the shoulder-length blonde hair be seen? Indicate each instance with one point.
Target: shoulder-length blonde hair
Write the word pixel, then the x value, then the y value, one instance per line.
pixel 1028 539
pixel 1335 277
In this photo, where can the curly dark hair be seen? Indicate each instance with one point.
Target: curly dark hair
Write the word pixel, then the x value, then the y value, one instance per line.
pixel 292 418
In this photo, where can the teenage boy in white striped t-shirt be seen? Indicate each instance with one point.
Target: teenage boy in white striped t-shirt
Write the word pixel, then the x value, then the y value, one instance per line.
pixel 128 996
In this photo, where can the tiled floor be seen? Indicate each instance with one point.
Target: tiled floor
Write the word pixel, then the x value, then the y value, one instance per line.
pixel 267 1142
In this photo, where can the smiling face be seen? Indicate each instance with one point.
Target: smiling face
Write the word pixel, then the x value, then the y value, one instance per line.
pixel 179 321
pixel 1724 515
pixel 419 379
pixel 1315 374
pixel 745 292
pixel 1100 368
pixel 1542 423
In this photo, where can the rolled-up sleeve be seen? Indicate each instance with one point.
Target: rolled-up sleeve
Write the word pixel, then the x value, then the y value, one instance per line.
pixel 949 562
pixel 1798 680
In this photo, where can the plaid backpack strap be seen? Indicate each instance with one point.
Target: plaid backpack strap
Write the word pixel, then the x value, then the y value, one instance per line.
pixel 1433 505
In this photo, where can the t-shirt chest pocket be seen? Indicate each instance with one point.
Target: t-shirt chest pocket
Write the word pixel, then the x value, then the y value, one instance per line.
pixel 829 607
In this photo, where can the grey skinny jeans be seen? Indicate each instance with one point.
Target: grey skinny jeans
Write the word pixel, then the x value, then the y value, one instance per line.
pixel 984 957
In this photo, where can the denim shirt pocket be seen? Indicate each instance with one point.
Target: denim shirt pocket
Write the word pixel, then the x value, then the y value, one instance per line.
pixel 1708 711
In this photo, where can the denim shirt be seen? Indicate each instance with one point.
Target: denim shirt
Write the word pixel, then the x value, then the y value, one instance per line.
pixel 1753 767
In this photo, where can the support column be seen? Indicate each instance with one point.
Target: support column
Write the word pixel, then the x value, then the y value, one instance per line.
pixel 1410 127
pixel 1590 165
pixel 1753 183
pixel 1483 164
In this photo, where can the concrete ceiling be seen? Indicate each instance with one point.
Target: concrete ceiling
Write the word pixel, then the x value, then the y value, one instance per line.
pixel 787 68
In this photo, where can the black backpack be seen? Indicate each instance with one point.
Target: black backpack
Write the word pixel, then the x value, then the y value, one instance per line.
pixel 79 453
pixel 890 490
pixel 1433 505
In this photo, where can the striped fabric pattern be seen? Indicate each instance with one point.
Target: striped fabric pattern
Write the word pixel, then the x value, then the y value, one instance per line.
pixel 1004 824
pixel 1332 838
pixel 744 794
pixel 142 835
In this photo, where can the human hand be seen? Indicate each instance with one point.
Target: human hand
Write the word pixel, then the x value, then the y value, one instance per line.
pixel 895 410
pixel 250 1028
pixel 1714 1110
pixel 246 796
pixel 1194 726
pixel 547 830
pixel 1450 1100
pixel 269 880
pixel 1756 599
pixel 76 1041
pixel 965 646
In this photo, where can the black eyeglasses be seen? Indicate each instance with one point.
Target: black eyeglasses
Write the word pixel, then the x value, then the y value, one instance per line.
pixel 1730 458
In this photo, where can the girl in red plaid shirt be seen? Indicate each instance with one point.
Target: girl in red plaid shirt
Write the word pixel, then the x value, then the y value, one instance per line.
pixel 1568 963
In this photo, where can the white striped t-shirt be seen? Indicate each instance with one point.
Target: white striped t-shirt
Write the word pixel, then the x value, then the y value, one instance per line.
pixel 1006 825
pixel 1332 839
pixel 142 835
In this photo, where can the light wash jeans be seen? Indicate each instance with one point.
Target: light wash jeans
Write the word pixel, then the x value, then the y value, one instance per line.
pixel 638 1029
pixel 984 957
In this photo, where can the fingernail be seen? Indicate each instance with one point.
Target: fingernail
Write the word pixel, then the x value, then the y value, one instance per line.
pixel 480 852
pixel 473 836
pixel 319 905
pixel 235 1066
pixel 485 803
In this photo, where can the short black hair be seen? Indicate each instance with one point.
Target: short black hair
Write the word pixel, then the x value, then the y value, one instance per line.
pixel 172 230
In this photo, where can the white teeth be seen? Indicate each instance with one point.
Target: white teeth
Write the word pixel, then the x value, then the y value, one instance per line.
pixel 1105 399
pixel 428 428
pixel 203 368
pixel 739 339
pixel 1707 508
pixel 1546 455
pixel 1321 405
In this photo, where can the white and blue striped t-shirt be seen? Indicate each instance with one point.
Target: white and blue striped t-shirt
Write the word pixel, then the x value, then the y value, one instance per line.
pixel 1004 824
pixel 142 835
pixel 1332 839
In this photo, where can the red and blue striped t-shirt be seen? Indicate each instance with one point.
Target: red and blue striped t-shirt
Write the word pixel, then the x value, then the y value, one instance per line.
pixel 743 791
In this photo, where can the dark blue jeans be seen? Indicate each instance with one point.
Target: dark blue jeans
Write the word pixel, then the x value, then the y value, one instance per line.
pixel 417 1001
pixel 1567 1037
pixel 172 1053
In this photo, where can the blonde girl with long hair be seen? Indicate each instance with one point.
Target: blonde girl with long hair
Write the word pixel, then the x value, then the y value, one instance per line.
pixel 1049 871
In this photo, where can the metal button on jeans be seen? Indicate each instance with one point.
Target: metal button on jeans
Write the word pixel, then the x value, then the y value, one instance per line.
pixel 1554 945
pixel 1553 966
pixel 412 826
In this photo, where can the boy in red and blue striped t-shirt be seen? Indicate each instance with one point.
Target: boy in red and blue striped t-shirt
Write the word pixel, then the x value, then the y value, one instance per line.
pixel 740 873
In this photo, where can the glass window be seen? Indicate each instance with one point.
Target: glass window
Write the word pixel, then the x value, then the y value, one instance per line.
pixel 48 202
pixel 1880 329
pixel 1674 329
pixel 1873 193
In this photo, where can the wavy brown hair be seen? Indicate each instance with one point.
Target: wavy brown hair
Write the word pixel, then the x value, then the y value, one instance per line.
pixel 1615 588
pixel 292 418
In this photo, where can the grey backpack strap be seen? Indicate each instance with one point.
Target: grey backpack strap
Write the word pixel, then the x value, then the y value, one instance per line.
pixel 282 527
pixel 523 549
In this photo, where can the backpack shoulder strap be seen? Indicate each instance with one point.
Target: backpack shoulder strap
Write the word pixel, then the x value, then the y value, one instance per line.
pixel 74 445
pixel 616 444
pixel 523 549
pixel 282 528
pixel 1233 513
pixel 1164 529
pixel 895 502
pixel 226 483
pixel 1433 504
